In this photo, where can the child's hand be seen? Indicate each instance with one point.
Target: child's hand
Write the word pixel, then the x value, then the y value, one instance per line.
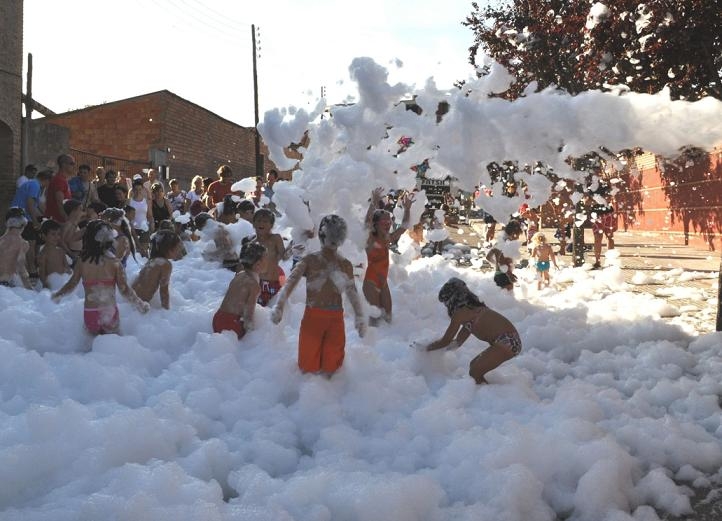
pixel 360 324
pixel 55 298
pixel 143 307
pixel 376 194
pixel 276 314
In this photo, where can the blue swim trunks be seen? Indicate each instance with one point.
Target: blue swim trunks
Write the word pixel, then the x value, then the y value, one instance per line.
pixel 542 266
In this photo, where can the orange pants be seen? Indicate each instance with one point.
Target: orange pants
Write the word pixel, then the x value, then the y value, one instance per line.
pixel 321 340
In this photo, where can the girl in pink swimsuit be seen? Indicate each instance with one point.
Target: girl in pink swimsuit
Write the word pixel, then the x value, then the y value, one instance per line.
pixel 101 272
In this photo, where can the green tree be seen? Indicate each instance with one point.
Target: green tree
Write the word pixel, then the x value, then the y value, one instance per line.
pixel 580 45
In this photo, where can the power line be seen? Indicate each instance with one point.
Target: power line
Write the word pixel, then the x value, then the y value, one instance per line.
pixel 189 20
pixel 221 16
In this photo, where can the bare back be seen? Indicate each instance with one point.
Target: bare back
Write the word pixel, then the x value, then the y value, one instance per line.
pixel 52 259
pixel 242 294
pixel 543 252
pixel 484 323
pixel 13 249
pixel 154 276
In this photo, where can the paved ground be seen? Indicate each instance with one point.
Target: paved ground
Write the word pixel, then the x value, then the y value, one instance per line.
pixel 649 262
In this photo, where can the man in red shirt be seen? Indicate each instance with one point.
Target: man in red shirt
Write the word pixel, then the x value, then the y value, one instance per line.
pixel 58 189
pixel 217 190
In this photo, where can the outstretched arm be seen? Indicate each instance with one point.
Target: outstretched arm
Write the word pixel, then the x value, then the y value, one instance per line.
pixel 72 282
pixel 406 201
pixel 127 291
pixel 448 337
pixel 296 274
pixel 373 205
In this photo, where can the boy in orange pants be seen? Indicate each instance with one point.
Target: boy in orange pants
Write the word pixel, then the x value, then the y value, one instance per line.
pixel 322 338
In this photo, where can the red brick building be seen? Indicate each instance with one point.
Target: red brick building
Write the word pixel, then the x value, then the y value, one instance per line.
pixel 682 198
pixel 161 129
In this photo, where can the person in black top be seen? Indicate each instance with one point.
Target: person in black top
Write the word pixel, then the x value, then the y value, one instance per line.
pixel 107 192
pixel 161 207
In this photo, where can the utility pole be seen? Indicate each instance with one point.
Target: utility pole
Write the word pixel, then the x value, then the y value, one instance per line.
pixel 25 136
pixel 259 159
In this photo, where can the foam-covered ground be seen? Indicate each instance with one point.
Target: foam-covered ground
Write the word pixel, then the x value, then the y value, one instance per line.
pixel 608 413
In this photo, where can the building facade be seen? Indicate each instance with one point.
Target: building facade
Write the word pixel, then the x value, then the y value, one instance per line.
pixel 162 130
pixel 11 68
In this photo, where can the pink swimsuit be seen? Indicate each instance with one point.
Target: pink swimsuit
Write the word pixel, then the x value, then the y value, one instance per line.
pixel 106 319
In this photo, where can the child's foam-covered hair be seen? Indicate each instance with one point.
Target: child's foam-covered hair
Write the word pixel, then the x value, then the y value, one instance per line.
pixel 251 252
pixel 455 294
pixel 15 218
pixel 332 231
pixel 162 243
pixel 200 220
pixel 97 240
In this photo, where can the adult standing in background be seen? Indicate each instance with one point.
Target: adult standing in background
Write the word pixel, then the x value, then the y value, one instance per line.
pixel 29 198
pixel 221 188
pixel 82 188
pixel 58 189
pixel 107 192
pixel 29 173
pixel 153 179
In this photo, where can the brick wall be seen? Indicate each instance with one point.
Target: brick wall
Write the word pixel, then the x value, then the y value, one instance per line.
pixel 197 141
pixel 686 204
pixel 11 59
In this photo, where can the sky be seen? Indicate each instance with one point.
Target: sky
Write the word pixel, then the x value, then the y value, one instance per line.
pixel 87 52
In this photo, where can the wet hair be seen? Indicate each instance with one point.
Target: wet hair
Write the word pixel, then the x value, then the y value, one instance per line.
pixel 251 252
pixel 513 227
pixel 455 294
pixel 70 205
pixel 229 205
pixel 162 243
pixel 98 207
pixel 97 240
pixel 264 213
pixel 201 219
pixel 245 206
pixel 332 231
pixel 376 217
pixel 15 218
pixel 48 225
pixel 117 216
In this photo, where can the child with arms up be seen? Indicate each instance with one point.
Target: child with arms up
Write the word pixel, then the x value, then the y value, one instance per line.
pixel 322 338
pixel 100 272
pixel 470 316
pixel 238 306
pixel 52 258
pixel 155 275
pixel 380 238
pixel 13 249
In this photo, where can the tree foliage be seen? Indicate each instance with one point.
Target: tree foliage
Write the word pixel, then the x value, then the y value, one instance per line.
pixel 580 45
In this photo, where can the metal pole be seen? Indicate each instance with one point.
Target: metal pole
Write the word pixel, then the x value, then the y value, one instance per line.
pixel 25 136
pixel 259 159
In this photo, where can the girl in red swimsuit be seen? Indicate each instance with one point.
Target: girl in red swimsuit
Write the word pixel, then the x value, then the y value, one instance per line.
pixel 101 272
pixel 378 221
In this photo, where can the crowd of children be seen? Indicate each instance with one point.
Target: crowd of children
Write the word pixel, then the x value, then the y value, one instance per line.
pixel 95 242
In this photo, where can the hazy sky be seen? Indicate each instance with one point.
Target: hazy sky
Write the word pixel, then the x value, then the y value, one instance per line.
pixel 87 52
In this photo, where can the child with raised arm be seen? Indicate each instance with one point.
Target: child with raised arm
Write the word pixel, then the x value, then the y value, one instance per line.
pixel 378 222
pixel 263 221
pixel 503 263
pixel 52 258
pixel 543 253
pixel 155 275
pixel 238 306
pixel 322 338
pixel 101 272
pixel 13 249
pixel 470 316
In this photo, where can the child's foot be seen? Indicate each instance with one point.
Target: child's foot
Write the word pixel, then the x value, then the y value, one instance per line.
pixel 596 266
